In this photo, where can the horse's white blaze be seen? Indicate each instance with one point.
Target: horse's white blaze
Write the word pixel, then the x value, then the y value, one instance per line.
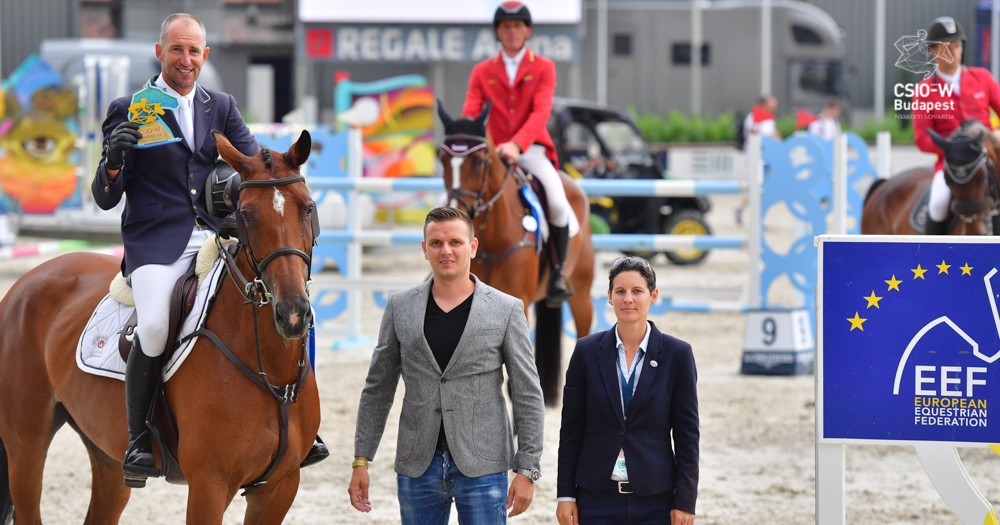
pixel 456 176
pixel 279 202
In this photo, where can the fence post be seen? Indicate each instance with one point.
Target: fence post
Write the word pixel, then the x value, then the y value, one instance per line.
pixel 840 184
pixel 755 177
pixel 883 156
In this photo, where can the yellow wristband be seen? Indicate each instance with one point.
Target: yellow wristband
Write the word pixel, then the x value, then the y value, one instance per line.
pixel 359 463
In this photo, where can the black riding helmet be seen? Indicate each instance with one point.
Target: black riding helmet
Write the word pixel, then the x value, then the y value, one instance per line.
pixel 511 11
pixel 945 29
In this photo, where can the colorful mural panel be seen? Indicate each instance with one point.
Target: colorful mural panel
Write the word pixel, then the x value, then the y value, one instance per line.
pixel 38 135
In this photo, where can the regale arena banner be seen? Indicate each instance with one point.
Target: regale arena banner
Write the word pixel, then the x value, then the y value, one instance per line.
pixel 909 339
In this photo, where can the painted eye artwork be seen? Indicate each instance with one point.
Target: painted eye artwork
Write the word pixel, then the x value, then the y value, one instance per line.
pixel 38 136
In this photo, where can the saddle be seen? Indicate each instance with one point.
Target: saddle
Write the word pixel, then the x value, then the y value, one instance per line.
pixel 919 214
pixel 181 303
pixel 160 419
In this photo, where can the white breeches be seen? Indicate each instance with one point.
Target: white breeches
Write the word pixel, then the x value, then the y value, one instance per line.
pixel 536 163
pixel 937 208
pixel 152 285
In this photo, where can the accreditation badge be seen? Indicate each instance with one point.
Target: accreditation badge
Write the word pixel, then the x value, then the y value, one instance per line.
pixel 148 105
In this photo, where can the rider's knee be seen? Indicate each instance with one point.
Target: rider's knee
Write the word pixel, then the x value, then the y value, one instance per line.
pixel 153 340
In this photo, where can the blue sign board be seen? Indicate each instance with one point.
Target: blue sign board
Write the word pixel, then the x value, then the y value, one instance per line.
pixel 909 339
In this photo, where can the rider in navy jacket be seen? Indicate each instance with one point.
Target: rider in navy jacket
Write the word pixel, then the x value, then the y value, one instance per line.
pixel 165 221
pixel 164 185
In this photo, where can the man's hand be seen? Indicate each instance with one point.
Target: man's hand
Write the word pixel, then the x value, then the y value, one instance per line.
pixel 124 137
pixel 522 490
pixel 509 151
pixel 679 517
pixel 567 514
pixel 358 490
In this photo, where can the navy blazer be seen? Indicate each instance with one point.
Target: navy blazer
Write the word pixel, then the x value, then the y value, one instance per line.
pixel 164 185
pixel 594 429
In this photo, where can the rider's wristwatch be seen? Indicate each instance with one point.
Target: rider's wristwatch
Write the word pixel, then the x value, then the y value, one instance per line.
pixel 533 475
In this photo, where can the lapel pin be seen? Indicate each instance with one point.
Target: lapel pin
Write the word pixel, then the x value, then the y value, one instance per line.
pixel 654 364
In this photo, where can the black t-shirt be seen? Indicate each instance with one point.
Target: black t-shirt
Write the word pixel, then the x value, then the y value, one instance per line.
pixel 443 330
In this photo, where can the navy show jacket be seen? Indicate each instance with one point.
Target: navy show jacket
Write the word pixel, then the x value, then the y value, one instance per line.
pixel 594 429
pixel 164 185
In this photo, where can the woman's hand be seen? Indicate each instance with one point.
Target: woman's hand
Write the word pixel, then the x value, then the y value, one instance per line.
pixel 567 514
pixel 679 517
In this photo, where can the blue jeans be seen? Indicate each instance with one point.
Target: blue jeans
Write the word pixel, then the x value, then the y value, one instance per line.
pixel 427 500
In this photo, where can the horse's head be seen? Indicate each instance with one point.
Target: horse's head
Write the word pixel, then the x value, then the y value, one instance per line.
pixel 278 225
pixel 470 161
pixel 969 172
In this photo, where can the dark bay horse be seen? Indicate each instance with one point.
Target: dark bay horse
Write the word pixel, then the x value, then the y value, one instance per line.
pixel 971 155
pixel 506 258
pixel 228 425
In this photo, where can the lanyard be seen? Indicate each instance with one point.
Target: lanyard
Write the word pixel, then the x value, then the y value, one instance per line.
pixel 628 386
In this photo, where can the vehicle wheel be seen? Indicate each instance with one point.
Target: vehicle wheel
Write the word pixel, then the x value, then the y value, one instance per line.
pixel 686 222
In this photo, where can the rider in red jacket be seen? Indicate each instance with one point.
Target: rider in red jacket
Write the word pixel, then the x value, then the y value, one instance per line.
pixel 951 94
pixel 522 85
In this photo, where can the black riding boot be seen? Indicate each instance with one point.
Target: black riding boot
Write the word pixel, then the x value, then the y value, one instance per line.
pixel 933 227
pixel 559 288
pixel 317 453
pixel 141 375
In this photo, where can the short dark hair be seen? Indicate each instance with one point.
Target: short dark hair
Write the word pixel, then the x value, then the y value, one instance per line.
pixel 445 214
pixel 832 103
pixel 633 264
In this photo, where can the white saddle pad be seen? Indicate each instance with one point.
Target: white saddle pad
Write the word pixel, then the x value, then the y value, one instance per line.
pixel 97 351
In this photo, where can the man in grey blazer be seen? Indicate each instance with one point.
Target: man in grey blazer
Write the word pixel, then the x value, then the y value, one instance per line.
pixel 449 339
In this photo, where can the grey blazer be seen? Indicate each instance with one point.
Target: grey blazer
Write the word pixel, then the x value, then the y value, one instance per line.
pixel 467 394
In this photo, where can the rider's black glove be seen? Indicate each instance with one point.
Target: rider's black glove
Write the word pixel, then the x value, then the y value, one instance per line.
pixel 123 138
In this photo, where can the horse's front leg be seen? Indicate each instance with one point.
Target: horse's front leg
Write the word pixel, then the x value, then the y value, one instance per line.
pixel 209 495
pixel 270 504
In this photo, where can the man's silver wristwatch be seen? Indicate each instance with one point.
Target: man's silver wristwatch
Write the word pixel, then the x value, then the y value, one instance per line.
pixel 533 475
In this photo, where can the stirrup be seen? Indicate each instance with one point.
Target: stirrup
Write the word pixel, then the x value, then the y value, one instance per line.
pixel 136 474
pixel 317 453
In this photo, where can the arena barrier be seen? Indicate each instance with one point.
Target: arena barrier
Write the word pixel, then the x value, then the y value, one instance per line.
pixel 815 180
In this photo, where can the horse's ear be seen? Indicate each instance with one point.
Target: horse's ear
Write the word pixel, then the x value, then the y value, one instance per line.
pixel 938 140
pixel 484 115
pixel 299 152
pixel 977 142
pixel 229 153
pixel 445 117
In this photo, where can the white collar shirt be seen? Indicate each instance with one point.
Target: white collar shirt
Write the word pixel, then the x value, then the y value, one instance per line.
pixel 511 64
pixel 636 367
pixel 955 80
pixel 184 113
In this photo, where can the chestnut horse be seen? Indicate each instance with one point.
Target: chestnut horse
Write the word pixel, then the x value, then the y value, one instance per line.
pixel 506 257
pixel 228 425
pixel 971 155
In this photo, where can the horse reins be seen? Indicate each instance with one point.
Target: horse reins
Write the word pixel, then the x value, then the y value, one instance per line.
pixel 257 295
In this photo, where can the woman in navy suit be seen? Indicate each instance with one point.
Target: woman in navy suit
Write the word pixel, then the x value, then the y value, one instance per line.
pixel 626 390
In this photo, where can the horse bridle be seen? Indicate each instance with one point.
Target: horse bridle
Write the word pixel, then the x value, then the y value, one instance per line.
pixel 963 174
pixel 457 194
pixel 256 294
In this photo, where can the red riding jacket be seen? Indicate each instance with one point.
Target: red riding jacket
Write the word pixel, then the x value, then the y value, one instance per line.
pixel 520 113
pixel 933 108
